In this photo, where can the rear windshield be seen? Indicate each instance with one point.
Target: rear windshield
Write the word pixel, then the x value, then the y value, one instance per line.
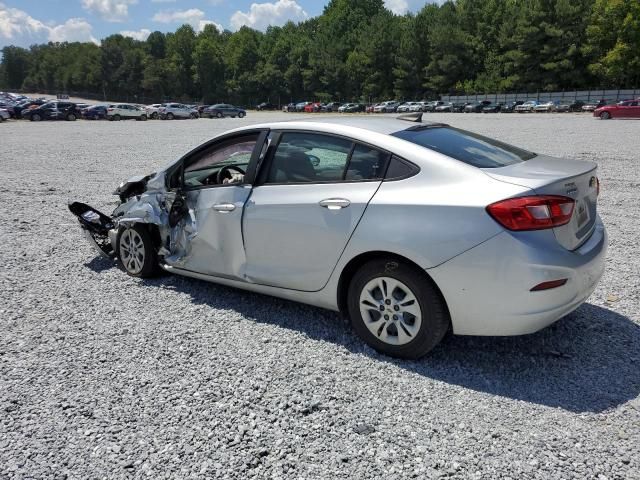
pixel 471 148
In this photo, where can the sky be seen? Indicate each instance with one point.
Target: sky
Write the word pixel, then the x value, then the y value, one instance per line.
pixel 25 22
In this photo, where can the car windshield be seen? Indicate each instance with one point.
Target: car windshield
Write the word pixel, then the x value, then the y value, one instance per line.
pixel 468 147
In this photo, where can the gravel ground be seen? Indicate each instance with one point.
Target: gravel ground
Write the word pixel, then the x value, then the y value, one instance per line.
pixel 106 376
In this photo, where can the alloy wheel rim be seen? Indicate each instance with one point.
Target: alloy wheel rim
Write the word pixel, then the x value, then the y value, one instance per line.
pixel 132 251
pixel 390 310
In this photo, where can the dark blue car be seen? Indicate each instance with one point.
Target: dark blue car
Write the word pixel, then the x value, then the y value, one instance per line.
pixel 97 112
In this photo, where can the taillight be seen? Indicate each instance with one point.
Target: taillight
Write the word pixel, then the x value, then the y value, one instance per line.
pixel 532 213
pixel 109 109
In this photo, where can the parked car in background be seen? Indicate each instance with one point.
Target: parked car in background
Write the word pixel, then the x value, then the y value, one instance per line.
pixel 389 106
pixel 417 107
pixel 313 107
pixel 171 111
pixel 406 107
pixel 350 108
pixel 562 107
pixel 331 107
pixel 9 106
pixel 125 111
pixel 4 114
pixel 591 106
pixel 221 110
pixel 289 107
pixel 431 106
pixel 576 106
pixel 153 111
pixel 96 112
pixel 509 107
pixel 266 106
pixel 301 105
pixel 545 106
pixel 445 107
pixel 492 108
pixel 528 106
pixel 26 105
pixel 476 107
pixel 54 110
pixel 628 109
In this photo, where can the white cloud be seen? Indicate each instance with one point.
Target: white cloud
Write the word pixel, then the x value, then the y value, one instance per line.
pixel 73 30
pixel 109 10
pixel 141 34
pixel 399 7
pixel 19 28
pixel 261 15
pixel 193 16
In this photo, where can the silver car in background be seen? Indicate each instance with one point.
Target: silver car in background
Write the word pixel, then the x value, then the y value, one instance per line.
pixel 409 228
pixel 170 111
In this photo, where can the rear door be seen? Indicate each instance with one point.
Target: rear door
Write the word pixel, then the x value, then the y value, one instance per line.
pixel 310 196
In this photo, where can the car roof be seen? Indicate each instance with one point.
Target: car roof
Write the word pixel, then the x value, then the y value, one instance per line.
pixel 384 125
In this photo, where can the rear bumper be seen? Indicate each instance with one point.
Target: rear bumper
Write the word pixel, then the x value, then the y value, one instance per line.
pixel 487 288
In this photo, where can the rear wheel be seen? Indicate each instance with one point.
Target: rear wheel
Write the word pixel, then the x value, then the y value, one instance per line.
pixel 219 115
pixel 116 117
pixel 169 116
pixel 240 114
pixel 143 118
pixel 154 116
pixel 396 309
pixel 71 117
pixel 36 117
pixel 137 252
pixel 605 115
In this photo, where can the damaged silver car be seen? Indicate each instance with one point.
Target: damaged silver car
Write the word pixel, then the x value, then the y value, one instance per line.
pixel 410 228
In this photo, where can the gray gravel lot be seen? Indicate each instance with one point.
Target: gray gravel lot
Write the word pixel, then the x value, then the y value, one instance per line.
pixel 106 376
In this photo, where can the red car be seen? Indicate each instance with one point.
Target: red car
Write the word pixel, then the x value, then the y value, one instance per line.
pixel 313 107
pixel 626 109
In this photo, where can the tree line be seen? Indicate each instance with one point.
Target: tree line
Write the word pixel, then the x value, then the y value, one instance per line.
pixel 356 50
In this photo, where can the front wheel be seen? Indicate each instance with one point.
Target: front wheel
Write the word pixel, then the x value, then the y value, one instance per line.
pixel 36 117
pixel 396 309
pixel 605 115
pixel 241 114
pixel 71 117
pixel 169 116
pixel 116 117
pixel 137 252
pixel 219 115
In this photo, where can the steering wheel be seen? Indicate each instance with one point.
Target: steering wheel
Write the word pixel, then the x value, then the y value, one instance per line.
pixel 315 161
pixel 225 170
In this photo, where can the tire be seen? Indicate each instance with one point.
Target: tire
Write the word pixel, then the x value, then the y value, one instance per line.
pixel 169 116
pixel 35 117
pixel 241 115
pixel 154 116
pixel 219 115
pixel 143 118
pixel 605 116
pixel 116 117
pixel 71 117
pixel 417 329
pixel 137 252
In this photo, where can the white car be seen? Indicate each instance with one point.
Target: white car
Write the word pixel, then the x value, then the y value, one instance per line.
pixel 386 107
pixel 529 106
pixel 153 111
pixel 169 111
pixel 4 114
pixel 124 111
pixel 417 106
pixel 406 107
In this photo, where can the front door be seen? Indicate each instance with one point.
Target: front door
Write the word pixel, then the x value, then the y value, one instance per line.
pixel 305 207
pixel 216 184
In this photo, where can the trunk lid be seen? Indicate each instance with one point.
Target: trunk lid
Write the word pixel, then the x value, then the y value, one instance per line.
pixel 557 176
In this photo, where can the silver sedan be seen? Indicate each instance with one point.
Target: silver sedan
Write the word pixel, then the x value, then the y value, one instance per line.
pixel 409 228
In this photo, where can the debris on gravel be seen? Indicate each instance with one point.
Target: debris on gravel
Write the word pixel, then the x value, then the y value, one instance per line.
pixel 107 376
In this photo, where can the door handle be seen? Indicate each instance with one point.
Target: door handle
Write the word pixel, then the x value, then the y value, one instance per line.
pixel 334 203
pixel 224 207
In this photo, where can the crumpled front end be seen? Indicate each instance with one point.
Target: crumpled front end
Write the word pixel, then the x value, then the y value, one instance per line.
pixel 144 200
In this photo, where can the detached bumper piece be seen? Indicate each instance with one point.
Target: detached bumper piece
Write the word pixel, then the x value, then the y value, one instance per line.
pixel 95 226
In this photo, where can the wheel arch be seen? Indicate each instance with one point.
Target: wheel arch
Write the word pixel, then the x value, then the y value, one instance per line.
pixel 358 261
